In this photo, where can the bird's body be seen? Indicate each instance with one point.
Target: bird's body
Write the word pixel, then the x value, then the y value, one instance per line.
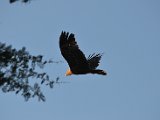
pixel 77 61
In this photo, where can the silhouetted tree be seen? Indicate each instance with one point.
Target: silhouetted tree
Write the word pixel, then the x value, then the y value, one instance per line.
pixel 24 1
pixel 18 67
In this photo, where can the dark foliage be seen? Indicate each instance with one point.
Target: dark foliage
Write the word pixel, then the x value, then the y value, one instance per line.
pixel 18 69
pixel 24 1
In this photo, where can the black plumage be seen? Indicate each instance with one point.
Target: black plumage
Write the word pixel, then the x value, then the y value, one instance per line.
pixel 76 59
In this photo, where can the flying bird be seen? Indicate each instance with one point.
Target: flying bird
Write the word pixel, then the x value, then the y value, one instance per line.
pixel 76 59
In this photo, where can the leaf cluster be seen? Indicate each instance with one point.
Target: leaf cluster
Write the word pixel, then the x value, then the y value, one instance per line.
pixel 18 68
pixel 24 1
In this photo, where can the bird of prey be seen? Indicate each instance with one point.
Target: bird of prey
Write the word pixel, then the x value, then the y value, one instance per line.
pixel 76 59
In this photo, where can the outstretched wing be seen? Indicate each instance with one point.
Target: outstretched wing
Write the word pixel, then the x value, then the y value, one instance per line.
pixel 71 52
pixel 93 60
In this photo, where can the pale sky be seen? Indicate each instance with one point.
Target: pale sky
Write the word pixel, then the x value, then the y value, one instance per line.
pixel 126 31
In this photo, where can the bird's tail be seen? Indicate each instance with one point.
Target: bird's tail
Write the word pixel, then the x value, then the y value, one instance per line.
pixel 98 71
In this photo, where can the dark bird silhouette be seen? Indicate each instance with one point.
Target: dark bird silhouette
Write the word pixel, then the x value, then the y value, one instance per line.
pixel 76 59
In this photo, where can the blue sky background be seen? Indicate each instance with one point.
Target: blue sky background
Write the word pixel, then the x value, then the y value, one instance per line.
pixel 127 31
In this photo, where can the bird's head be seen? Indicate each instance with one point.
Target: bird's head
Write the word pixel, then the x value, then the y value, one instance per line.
pixel 69 72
